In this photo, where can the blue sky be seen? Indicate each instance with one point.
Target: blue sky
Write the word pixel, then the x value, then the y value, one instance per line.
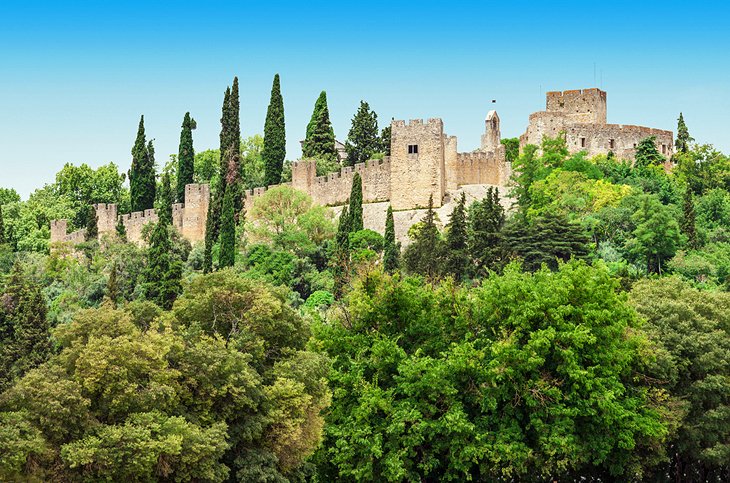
pixel 75 76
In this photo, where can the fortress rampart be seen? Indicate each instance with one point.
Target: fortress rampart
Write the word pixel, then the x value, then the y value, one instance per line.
pixel 582 116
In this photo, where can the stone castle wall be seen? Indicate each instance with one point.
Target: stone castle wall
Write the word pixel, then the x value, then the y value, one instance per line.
pixel 582 116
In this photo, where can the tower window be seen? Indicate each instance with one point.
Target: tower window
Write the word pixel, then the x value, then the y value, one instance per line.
pixel 582 142
pixel 664 149
pixel 611 144
pixel 413 149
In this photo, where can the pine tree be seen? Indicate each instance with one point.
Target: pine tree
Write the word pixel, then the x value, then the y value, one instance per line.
pixel 3 239
pixel 385 136
pixel 142 173
pixel 363 140
pixel 274 150
pixel 227 257
pixel 456 257
pixel 92 224
pixel 163 273
pixel 185 157
pixel 424 255
pixel 688 220
pixel 683 137
pixel 165 200
pixel 485 239
pixel 647 154
pixel 112 287
pixel 319 142
pixel 356 221
pixel 391 250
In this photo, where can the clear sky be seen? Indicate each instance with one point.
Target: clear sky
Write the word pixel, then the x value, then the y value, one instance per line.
pixel 75 76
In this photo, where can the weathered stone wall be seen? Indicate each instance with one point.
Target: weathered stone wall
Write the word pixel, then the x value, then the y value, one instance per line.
pixel 482 168
pixel 135 221
pixel 106 217
pixel 586 105
pixel 195 212
pixel 582 117
pixel 415 177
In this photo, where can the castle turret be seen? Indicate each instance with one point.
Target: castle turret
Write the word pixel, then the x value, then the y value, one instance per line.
pixel 491 139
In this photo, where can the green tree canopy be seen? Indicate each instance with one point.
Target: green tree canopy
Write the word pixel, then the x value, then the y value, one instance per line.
pixel 363 140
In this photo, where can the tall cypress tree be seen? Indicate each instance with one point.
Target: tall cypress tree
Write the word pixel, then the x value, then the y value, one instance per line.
pixel 320 139
pixel 165 200
pixel 391 250
pixel 234 133
pixel 142 173
pixel 121 229
pixel 683 137
pixel 3 239
pixel 688 226
pixel 363 140
pixel 163 272
pixel 224 149
pixel 356 222
pixel 185 157
pixel 385 136
pixel 112 287
pixel 341 254
pixel 456 259
pixel 92 224
pixel 209 240
pixel 274 150
pixel 227 257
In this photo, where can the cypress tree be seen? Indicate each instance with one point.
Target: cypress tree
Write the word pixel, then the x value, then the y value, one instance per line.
pixel 234 136
pixel 457 259
pixel 227 257
pixel 391 250
pixel 363 140
pixel 165 200
pixel 112 287
pixel 163 273
pixel 92 224
pixel 142 173
pixel 320 139
pixel 385 136
pixel 355 212
pixel 485 239
pixel 224 142
pixel 688 220
pixel 185 157
pixel 121 229
pixel 683 137
pixel 341 254
pixel 274 150
pixel 209 240
pixel 3 239
pixel 424 255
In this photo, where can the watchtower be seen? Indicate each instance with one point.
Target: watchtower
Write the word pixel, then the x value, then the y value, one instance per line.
pixel 582 106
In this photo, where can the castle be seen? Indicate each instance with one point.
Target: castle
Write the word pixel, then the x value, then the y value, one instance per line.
pixel 424 162
pixel 581 114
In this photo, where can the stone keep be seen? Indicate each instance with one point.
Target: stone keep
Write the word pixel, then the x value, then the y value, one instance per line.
pixel 581 114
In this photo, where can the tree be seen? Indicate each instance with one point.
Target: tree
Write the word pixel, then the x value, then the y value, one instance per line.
pixel 385 139
pixel 274 150
pixel 657 234
pixel 691 338
pixel 92 224
pixel 227 257
pixel 185 157
pixel 647 154
pixel 210 232
pixel 112 287
pixel 3 238
pixel 485 237
pixel 683 137
pixel 163 272
pixel 688 220
pixel 355 212
pixel 525 171
pixel 24 331
pixel 121 229
pixel 142 173
pixel 319 142
pixel 165 200
pixel 340 259
pixel 507 381
pixel 545 240
pixel 391 250
pixel 362 140
pixel 456 262
pixel 511 149
pixel 424 255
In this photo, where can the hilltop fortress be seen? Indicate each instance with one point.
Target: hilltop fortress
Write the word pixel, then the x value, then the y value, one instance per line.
pixel 424 162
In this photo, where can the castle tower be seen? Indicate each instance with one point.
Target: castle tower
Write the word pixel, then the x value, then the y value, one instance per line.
pixel 303 173
pixel 491 139
pixel 195 211
pixel 583 106
pixel 106 217
pixel 417 166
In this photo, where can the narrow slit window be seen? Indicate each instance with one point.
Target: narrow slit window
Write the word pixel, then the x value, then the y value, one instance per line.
pixel 664 149
pixel 611 144
pixel 413 149
pixel 582 142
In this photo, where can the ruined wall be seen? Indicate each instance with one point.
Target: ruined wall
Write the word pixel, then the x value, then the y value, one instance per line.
pixel 586 105
pixel 59 234
pixel 134 222
pixel 621 139
pixel 106 217
pixel 415 177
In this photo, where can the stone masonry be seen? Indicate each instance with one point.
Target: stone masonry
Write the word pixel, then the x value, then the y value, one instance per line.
pixel 581 114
